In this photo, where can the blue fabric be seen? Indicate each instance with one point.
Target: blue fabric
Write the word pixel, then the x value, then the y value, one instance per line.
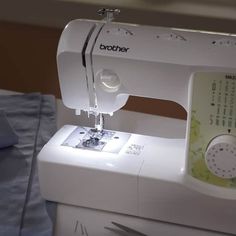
pixel 23 212
pixel 7 134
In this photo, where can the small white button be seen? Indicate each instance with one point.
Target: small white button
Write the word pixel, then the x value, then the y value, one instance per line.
pixel 108 80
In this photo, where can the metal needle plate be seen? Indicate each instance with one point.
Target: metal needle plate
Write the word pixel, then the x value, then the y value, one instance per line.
pixel 105 140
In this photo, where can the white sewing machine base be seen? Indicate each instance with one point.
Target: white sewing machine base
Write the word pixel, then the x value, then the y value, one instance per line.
pixel 145 179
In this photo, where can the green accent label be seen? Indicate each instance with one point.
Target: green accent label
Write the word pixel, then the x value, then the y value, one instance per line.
pixel 213 113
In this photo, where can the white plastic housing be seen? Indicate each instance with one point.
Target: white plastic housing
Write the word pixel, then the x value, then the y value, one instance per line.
pixel 71 64
pixel 145 179
pixel 142 61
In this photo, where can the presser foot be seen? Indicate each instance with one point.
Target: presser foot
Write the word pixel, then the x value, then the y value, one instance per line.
pixel 96 140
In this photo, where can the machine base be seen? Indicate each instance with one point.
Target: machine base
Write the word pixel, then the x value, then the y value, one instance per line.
pixel 145 179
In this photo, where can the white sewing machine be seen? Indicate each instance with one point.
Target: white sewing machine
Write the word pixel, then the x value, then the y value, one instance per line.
pixel 102 175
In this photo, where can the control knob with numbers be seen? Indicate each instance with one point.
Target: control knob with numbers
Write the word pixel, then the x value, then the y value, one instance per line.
pixel 220 156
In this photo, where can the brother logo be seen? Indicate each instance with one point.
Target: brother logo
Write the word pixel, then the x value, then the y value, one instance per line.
pixel 114 48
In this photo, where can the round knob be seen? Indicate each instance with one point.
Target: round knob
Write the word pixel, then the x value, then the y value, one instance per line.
pixel 220 156
pixel 109 80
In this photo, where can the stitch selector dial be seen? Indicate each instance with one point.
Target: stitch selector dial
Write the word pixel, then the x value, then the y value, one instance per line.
pixel 220 156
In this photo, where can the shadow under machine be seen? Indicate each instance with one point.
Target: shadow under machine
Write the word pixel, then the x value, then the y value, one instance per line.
pixel 103 174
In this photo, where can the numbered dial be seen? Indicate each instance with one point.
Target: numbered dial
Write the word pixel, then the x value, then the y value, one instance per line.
pixel 220 156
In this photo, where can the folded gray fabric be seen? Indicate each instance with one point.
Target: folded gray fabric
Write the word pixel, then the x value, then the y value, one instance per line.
pixel 23 212
pixel 7 135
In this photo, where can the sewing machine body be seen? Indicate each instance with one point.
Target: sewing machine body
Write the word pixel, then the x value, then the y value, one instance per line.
pixel 100 64
pixel 157 64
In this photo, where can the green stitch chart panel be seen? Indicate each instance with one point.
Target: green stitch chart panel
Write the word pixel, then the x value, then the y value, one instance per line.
pixel 212 129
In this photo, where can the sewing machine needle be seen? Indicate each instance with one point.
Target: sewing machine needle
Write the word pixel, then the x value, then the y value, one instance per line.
pixel 99 122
